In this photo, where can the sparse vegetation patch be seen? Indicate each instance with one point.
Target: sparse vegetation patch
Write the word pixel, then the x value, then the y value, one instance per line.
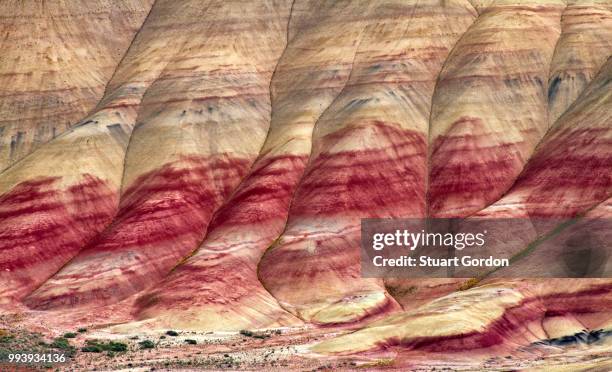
pixel 94 346
pixel 146 344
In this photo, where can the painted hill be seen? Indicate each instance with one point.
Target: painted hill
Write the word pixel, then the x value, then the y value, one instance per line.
pixel 205 165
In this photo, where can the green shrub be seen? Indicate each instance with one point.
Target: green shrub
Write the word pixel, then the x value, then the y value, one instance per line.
pixel 146 344
pixel 61 343
pixel 91 349
pixel 69 335
pixel 191 342
pixel 82 330
pixel 172 333
pixel 109 346
pixel 117 346
pixel 258 335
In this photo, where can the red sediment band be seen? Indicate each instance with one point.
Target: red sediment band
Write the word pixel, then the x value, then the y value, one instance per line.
pixel 177 199
pixel 591 301
pixel 510 324
pixel 42 227
pixel 390 177
pixel 219 279
pixel 470 170
pixel 265 194
pixel 162 218
pixel 30 197
pixel 385 181
pixel 225 278
pixel 338 254
pixel 509 327
pixel 370 314
pixel 585 171
pixel 336 258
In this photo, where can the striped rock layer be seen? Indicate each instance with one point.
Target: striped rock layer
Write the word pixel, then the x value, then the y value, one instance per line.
pixel 368 159
pixel 570 171
pixel 200 126
pixel 88 160
pixel 521 312
pixel 488 113
pixel 584 46
pixel 57 57
pixel 310 74
pixel 496 316
pixel 490 107
pixel 569 176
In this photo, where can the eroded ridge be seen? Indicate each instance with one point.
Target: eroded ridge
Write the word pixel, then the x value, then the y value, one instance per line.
pixel 313 70
pixel 584 46
pixel 490 108
pixel 199 128
pixel 368 159
pixel 94 149
pixel 57 58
